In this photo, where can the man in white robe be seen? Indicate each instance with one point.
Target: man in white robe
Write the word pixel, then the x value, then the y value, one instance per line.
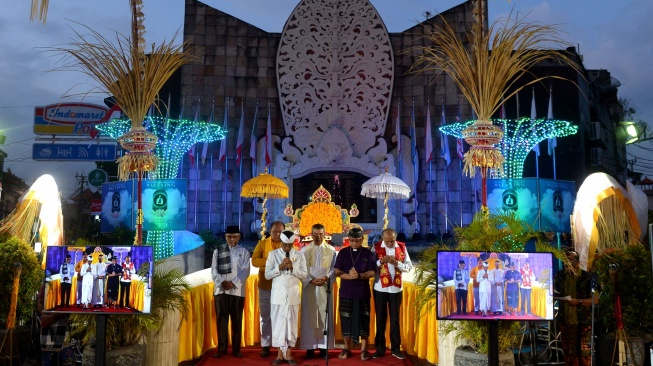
pixel 320 261
pixel 485 279
pixel 99 270
pixel 87 282
pixel 286 267
pixel 497 288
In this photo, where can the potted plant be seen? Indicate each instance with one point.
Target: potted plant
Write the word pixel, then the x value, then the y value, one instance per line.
pixel 130 331
pixel 500 232
pixel 12 250
pixel 633 281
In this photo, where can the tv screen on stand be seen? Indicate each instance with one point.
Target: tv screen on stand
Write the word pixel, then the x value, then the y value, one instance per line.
pixel 494 286
pixel 98 279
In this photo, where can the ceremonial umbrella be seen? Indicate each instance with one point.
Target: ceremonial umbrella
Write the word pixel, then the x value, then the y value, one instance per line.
pixel 265 186
pixel 385 186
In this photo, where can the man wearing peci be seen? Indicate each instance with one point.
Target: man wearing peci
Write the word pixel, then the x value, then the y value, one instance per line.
pixel 392 260
pixel 286 268
pixel 259 259
pixel 66 270
pixel 229 270
pixel 355 265
pixel 460 283
pixel 320 259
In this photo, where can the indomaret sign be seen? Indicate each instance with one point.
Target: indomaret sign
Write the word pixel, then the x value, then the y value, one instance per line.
pixel 68 118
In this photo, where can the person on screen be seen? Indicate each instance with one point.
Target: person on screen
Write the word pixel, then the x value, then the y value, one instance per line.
pixel 511 279
pixel 393 259
pixel 126 282
pixel 87 282
pixel 80 276
pixel 497 288
pixel 355 265
pixel 460 282
pixel 484 279
pixel 574 317
pixel 113 274
pixel 527 278
pixel 99 270
pixel 320 258
pixel 229 271
pixel 259 259
pixel 66 270
pixel 473 273
pixel 286 268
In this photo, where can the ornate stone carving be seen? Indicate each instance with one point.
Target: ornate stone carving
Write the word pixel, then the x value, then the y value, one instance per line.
pixel 335 69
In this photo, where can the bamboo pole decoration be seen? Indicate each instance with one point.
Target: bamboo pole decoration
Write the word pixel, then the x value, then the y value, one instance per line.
pixel 11 318
pixel 385 211
pixel 265 211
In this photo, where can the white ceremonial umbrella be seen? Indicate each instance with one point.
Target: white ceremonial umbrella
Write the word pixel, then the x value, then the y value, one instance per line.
pixel 385 186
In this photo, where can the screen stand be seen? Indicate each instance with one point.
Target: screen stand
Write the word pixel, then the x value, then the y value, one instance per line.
pixel 100 338
pixel 493 344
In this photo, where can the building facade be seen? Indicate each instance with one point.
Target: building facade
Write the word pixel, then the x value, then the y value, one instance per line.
pixel 333 107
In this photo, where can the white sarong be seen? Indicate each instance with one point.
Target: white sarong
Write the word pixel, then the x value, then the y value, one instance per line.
pixel 87 289
pixel 284 326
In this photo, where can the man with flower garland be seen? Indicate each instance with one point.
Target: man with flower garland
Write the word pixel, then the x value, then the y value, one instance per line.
pixel 320 261
pixel 392 260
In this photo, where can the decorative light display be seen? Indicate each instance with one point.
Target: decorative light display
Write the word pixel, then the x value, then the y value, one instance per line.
pixel 175 137
pixel 520 137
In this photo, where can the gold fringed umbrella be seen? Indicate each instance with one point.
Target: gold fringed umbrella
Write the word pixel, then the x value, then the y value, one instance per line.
pixel 385 186
pixel 264 186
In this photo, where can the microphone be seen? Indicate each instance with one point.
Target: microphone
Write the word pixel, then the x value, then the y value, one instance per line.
pixel 288 254
pixel 594 280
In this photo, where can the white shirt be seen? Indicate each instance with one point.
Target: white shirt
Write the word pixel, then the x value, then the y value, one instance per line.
pixel 86 275
pixel 286 284
pixel 404 266
pixel 99 269
pixel 69 275
pixel 238 275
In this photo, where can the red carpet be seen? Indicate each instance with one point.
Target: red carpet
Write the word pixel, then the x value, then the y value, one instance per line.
pixel 251 356
pixel 93 310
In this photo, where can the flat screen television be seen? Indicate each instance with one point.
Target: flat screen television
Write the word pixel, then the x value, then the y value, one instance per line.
pixel 98 279
pixel 494 286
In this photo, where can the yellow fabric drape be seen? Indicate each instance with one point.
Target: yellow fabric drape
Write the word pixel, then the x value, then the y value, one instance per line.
pixel 198 332
pixel 136 294
pixel 448 305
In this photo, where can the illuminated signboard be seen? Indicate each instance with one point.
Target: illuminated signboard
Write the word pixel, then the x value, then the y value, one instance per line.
pixel 68 118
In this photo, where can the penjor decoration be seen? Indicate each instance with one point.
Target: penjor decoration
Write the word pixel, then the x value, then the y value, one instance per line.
pixel 485 69
pixel 134 79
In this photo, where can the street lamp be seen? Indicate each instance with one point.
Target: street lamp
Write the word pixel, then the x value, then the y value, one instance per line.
pixel 632 132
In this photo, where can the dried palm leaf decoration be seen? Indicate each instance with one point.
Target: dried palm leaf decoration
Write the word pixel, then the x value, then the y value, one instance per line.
pixel 133 77
pixel 39 9
pixel 494 63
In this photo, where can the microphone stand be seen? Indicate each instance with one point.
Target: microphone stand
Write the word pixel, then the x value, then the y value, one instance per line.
pixel 593 281
pixel 326 320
